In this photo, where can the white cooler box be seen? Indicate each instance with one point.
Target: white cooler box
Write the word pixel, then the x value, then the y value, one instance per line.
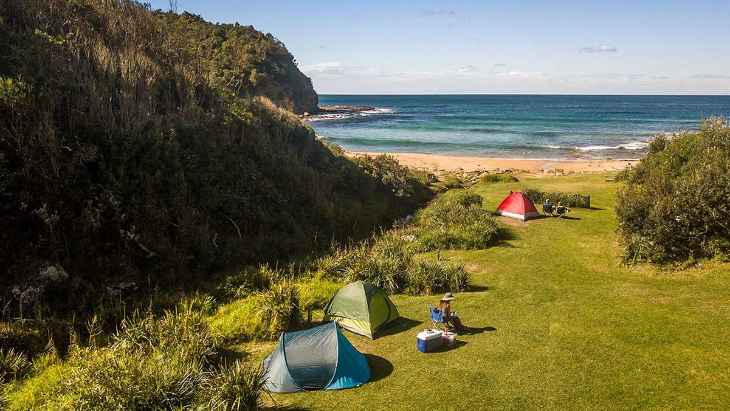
pixel 430 340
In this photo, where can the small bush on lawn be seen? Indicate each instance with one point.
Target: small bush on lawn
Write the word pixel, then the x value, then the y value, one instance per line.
pixel 674 208
pixel 538 197
pixel 455 220
pixel 152 363
pixel 499 178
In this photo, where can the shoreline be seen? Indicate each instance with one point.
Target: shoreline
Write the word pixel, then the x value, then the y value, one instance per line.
pixel 437 162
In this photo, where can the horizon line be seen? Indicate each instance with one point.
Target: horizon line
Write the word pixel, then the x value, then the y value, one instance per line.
pixel 524 94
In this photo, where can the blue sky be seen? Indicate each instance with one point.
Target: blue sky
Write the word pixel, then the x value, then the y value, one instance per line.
pixel 495 46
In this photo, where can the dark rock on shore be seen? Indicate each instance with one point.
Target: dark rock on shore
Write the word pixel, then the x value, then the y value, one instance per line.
pixel 343 109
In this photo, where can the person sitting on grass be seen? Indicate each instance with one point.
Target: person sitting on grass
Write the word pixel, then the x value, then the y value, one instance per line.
pixel 448 317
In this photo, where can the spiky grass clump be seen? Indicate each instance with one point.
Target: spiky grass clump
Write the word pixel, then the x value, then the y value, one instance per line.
pixel 260 316
pixel 390 262
pixel 151 364
pixel 316 292
pixel 237 387
pixel 13 365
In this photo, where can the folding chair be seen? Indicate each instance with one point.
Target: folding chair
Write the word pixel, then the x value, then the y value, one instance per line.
pixel 436 317
pixel 547 209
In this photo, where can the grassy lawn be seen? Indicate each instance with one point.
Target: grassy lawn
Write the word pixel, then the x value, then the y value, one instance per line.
pixel 558 324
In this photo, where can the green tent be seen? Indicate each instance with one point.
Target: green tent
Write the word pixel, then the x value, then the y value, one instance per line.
pixel 362 308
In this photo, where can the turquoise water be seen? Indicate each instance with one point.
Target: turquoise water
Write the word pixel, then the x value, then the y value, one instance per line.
pixel 513 126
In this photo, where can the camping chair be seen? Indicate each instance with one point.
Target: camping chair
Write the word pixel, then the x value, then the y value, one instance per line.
pixel 547 209
pixel 560 211
pixel 437 317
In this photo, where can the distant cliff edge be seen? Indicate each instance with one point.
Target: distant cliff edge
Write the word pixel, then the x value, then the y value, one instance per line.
pixel 245 61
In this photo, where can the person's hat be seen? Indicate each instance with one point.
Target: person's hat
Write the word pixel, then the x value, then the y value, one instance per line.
pixel 448 297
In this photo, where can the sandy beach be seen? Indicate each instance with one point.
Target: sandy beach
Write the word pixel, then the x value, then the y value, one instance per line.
pixel 434 162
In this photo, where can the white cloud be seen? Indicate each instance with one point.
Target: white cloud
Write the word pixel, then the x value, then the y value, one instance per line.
pixel 337 69
pixel 601 48
pixel 500 65
pixel 707 76
pixel 335 77
pixel 439 11
pixel 522 74
pixel 467 69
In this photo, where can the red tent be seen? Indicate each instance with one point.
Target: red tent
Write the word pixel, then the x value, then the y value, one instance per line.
pixel 517 206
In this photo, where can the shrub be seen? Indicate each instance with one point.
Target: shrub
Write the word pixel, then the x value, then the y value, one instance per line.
pixel 316 292
pixel 499 178
pixel 428 277
pixel 538 196
pixel 152 364
pixel 389 171
pixel 674 207
pixel 455 220
pixel 390 262
pixel 260 316
pixel 21 337
pixel 450 181
pixel 13 365
pixel 622 175
pixel 247 280
pixel 237 387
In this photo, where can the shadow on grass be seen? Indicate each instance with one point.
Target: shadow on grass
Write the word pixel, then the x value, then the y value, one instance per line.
pixel 233 355
pixel 564 217
pixel 379 367
pixel 477 288
pixel 505 235
pixel 457 344
pixel 287 408
pixel 404 324
pixel 476 330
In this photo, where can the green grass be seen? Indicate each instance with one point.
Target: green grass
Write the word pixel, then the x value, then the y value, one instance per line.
pixel 565 326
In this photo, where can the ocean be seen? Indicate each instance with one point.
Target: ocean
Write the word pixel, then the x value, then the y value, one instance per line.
pixel 512 126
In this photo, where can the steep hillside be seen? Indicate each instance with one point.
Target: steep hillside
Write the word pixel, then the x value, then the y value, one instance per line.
pixel 244 60
pixel 123 159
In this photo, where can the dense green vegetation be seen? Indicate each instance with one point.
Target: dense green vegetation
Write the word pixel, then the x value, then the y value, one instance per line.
pixel 538 197
pixel 263 301
pixel 558 323
pixel 243 60
pixel 454 220
pixel 134 155
pixel 499 178
pixel 146 155
pixel 675 206
pixel 165 363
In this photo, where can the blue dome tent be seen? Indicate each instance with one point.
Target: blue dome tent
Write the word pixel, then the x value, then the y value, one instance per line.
pixel 320 358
